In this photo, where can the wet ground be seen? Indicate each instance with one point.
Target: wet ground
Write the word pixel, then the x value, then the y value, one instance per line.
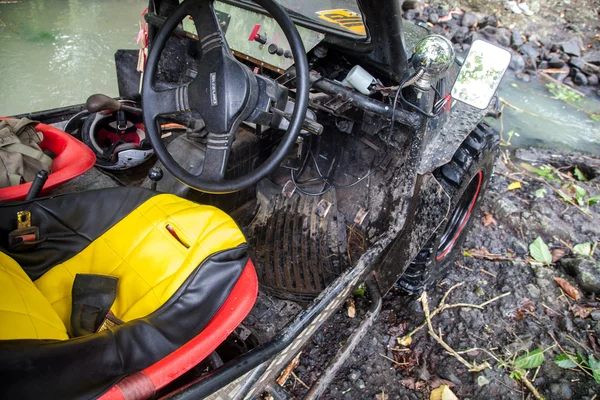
pixel 532 312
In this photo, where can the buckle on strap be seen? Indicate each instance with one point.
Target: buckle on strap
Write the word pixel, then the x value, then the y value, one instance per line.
pixel 25 236
pixel 93 295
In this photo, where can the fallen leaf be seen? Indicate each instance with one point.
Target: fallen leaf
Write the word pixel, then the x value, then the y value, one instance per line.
pixel 482 380
pixel 526 305
pixel 557 254
pixel 409 383
pixel 540 252
pixel 514 186
pixel 569 289
pixel 442 393
pixel 584 249
pixel 581 311
pixel 405 341
pixel 532 359
pixel 437 382
pixel 351 308
pixel 488 219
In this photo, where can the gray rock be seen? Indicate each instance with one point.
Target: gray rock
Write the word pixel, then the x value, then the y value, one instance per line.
pixel 593 80
pixel 503 208
pixel 567 324
pixel 434 18
pixel 580 79
pixel 561 77
pixel 523 76
pixel 498 35
pixel 517 63
pixel 555 62
pixel 592 56
pixel 516 39
pixel 461 34
pixel 571 47
pixel 353 375
pixel 565 57
pixel 561 391
pixel 595 315
pixel 576 62
pixel 534 291
pixel 468 20
pixel 543 65
pixel 447 369
pixel 530 49
pixel 586 271
pixel 490 20
pixel 360 384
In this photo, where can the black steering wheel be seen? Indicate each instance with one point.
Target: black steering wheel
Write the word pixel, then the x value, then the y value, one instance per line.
pixel 224 92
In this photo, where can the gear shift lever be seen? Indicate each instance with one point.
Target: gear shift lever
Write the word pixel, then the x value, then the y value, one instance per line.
pixel 155 174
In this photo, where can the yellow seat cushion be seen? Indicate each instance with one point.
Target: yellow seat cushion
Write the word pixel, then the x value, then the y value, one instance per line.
pixel 24 311
pixel 149 261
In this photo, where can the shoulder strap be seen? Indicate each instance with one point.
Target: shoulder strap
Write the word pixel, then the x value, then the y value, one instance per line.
pixel 30 152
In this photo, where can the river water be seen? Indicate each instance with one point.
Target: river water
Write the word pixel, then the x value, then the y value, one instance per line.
pixel 57 52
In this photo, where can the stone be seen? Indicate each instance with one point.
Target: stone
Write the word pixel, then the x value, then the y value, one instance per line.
pixel 353 375
pixel 434 18
pixel 565 57
pixel 534 291
pixel 360 384
pixel 543 65
pixel 586 271
pixel 468 20
pixel 593 80
pixel 567 324
pixel 530 49
pixel 592 56
pixel 571 47
pixel 568 81
pixel 489 20
pixel 411 14
pixel 595 315
pixel 555 62
pixel 523 77
pixel 580 79
pixel 517 63
pixel 498 35
pixel 516 39
pixel 561 77
pixel 561 391
pixel 461 34
pixel 576 62
pixel 546 42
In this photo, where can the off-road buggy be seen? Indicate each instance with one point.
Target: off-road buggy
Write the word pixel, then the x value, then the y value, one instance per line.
pixel 316 148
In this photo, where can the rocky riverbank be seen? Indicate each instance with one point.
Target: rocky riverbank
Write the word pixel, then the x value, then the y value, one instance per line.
pixel 562 41
pixel 515 306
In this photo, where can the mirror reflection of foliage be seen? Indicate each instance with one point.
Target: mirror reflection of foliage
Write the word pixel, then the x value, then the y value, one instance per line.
pixel 473 71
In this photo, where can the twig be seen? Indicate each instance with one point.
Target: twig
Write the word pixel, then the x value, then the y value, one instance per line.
pixel 392 360
pixel 450 350
pixel 285 374
pixel 564 352
pixel 531 388
pixel 505 385
pixel 583 346
pixel 488 273
pixel 441 307
pixel 511 177
pixel 299 380
pixel 463 267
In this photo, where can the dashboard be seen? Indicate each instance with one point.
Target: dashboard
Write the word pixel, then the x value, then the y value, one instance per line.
pixel 257 37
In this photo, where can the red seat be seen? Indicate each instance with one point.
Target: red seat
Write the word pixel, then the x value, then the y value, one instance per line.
pixel 73 158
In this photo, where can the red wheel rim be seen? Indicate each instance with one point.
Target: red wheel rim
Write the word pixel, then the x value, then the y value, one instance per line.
pixel 460 216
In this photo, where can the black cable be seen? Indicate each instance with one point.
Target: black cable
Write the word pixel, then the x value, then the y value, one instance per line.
pixel 407 103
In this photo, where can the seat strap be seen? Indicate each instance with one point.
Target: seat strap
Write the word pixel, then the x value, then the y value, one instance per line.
pixel 93 295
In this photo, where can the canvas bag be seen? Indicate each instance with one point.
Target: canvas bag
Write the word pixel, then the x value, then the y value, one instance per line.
pixel 20 155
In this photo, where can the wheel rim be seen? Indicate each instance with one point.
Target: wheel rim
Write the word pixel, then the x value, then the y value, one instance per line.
pixel 460 216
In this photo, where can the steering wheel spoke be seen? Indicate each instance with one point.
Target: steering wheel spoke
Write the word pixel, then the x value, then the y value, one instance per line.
pixel 218 147
pixel 167 101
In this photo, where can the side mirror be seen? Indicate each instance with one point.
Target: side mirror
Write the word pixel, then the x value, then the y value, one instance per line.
pixel 480 74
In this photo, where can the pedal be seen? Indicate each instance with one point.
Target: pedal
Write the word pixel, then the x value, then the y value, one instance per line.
pixel 25 234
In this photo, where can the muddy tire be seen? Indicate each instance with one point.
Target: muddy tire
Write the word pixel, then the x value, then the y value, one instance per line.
pixel 465 179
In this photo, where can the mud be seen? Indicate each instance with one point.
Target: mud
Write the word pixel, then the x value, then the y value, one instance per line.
pixel 532 316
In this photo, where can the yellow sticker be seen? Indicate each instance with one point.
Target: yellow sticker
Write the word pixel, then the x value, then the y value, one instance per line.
pixel 345 18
